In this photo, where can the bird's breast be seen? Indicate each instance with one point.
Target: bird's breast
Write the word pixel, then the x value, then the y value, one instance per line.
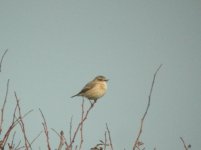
pixel 103 86
pixel 97 91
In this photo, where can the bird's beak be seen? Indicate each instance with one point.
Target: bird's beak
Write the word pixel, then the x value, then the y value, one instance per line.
pixel 106 80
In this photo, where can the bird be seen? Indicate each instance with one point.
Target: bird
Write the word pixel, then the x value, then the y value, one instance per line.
pixel 94 89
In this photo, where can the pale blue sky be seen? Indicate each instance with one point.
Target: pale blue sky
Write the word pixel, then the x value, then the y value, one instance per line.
pixel 55 47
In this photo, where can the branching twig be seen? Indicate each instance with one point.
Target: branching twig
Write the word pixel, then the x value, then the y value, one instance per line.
pixel 27 144
pixel 45 130
pixel 15 121
pixel 105 141
pixel 110 139
pixel 80 124
pixel 36 137
pixel 18 148
pixel 3 107
pixel 13 124
pixel 12 143
pixel 149 100
pixel 62 139
pixel 2 59
pixel 185 146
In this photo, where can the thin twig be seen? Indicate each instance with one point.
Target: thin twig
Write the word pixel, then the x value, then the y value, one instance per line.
pixel 27 144
pixel 30 143
pixel 12 143
pixel 13 124
pixel 79 125
pixel 45 130
pixel 17 147
pixel 36 137
pixel 10 147
pixel 62 140
pixel 3 107
pixel 105 142
pixel 2 59
pixel 57 133
pixel 70 130
pixel 185 146
pixel 149 101
pixel 15 121
pixel 110 139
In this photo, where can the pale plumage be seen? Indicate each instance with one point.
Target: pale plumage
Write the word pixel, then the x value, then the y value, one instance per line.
pixel 95 89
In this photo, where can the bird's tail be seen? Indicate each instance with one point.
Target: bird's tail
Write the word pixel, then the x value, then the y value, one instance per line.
pixel 74 95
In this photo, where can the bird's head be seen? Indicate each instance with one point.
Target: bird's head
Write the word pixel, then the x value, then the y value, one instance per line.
pixel 101 78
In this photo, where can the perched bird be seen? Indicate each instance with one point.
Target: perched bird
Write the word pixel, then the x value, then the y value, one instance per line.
pixel 95 89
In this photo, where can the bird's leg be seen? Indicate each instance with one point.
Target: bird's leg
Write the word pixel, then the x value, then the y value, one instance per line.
pixel 94 101
pixel 90 102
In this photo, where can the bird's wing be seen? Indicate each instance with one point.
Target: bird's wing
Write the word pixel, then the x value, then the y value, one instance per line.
pixel 87 87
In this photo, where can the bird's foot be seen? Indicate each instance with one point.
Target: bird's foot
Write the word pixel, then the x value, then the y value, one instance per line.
pixel 92 103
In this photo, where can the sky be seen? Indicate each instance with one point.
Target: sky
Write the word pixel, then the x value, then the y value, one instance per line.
pixel 56 47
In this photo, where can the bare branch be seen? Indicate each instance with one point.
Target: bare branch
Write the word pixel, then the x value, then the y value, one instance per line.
pixel 27 144
pixel 45 130
pixel 17 147
pixel 36 137
pixel 12 143
pixel 55 132
pixel 149 101
pixel 62 140
pixel 70 130
pixel 2 59
pixel 3 107
pixel 105 142
pixel 13 124
pixel 110 139
pixel 81 127
pixel 185 146
pixel 80 124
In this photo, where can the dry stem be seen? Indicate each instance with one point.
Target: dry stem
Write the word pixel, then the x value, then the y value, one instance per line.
pixel 110 139
pixel 27 144
pixel 185 146
pixel 149 101
pixel 81 127
pixel 45 130
pixel 15 121
pixel 70 130
pixel 105 141
pixel 80 124
pixel 2 59
pixel 3 107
